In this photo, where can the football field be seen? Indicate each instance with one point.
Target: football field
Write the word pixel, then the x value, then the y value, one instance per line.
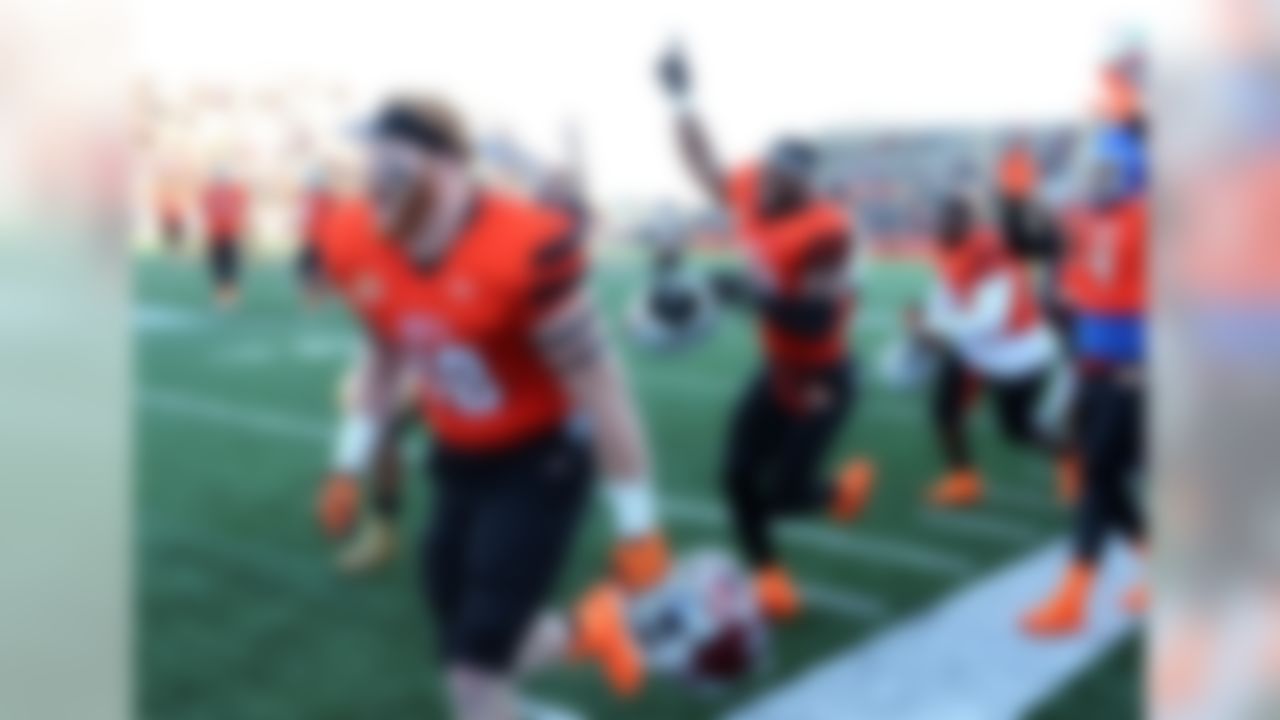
pixel 242 615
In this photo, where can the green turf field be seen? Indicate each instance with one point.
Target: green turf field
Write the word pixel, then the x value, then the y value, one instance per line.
pixel 242 616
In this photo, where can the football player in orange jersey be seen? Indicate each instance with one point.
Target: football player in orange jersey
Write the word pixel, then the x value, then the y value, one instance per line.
pixel 1105 279
pixel 798 246
pixel 984 321
pixel 480 294
pixel 374 541
pixel 225 209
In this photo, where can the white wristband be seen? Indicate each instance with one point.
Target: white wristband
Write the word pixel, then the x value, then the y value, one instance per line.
pixel 634 506
pixel 683 105
pixel 354 443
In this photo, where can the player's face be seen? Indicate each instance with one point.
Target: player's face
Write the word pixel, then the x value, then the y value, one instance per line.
pixel 954 223
pixel 781 192
pixel 400 187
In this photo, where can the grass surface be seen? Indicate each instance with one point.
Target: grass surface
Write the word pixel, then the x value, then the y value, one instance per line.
pixel 242 616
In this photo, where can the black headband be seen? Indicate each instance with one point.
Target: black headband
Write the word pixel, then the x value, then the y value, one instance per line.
pixel 401 123
pixel 793 157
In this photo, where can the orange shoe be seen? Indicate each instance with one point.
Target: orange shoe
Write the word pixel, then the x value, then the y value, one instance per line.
pixel 1063 613
pixel 602 635
pixel 1068 480
pixel 778 598
pixel 852 489
pixel 958 488
pixel 641 563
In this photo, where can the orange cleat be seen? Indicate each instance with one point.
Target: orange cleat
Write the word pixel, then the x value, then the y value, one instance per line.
pixel 778 598
pixel 602 635
pixel 641 563
pixel 852 489
pixel 1068 480
pixel 1064 613
pixel 958 488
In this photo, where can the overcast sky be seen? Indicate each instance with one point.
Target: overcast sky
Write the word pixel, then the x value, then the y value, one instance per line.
pixel 763 67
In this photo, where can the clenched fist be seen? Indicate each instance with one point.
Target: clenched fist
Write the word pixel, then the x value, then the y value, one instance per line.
pixel 338 504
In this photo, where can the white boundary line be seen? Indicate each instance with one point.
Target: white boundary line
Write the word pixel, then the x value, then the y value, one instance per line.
pixel 963 659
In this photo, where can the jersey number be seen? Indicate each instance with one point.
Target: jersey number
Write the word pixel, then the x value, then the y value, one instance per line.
pixel 458 374
pixel 1102 255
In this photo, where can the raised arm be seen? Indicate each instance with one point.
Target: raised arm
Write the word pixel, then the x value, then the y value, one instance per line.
pixel 691 136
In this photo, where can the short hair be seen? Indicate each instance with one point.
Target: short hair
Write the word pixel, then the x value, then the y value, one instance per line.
pixel 427 120
pixel 793 156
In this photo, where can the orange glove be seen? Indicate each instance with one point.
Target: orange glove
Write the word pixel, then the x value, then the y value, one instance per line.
pixel 641 563
pixel 339 504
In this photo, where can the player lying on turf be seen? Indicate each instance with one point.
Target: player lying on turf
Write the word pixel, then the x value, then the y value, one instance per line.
pixel 798 246
pixel 1105 282
pixel 481 295
pixel 983 321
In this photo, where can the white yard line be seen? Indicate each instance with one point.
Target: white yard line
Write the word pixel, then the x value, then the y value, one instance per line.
pixel 1042 500
pixel 154 318
pixel 856 545
pixel 234 415
pixel 838 601
pixel 536 709
pixel 963 659
pixel 977 525
pixel 842 602
pixel 246 355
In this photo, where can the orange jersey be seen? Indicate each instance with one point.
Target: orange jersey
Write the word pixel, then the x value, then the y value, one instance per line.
pixel 781 252
pixel 1106 267
pixel 1018 174
pixel 315 205
pixel 168 203
pixel 979 257
pixel 466 324
pixel 224 206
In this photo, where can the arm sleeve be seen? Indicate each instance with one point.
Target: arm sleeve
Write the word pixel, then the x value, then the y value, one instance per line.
pixel 556 268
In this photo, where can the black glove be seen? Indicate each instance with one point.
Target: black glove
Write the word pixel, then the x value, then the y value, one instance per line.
pixel 674 73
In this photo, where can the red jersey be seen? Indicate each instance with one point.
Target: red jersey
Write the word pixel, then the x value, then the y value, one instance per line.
pixel 782 251
pixel 981 256
pixel 168 203
pixel 224 205
pixel 315 205
pixel 1106 266
pixel 467 322
pixel 1018 174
